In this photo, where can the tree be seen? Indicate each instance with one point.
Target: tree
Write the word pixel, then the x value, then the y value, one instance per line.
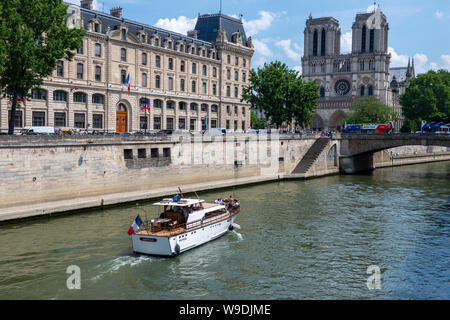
pixel 282 94
pixel 39 36
pixel 370 110
pixel 427 96
pixel 256 122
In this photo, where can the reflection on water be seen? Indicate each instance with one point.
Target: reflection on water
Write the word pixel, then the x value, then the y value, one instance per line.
pixel 310 239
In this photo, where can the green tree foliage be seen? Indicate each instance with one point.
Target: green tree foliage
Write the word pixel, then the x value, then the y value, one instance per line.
pixel 38 38
pixel 282 94
pixel 427 96
pixel 370 110
pixel 256 122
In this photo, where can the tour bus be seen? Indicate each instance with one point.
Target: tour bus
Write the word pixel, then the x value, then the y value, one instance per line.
pixel 369 128
pixel 37 131
pixel 434 127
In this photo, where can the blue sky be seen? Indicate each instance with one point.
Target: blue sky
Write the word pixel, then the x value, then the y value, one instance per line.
pixel 419 29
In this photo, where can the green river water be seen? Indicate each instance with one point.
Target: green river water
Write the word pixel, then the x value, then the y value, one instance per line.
pixel 311 239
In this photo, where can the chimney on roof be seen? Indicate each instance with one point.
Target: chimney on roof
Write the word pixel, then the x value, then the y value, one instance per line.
pixel 116 12
pixel 192 34
pixel 87 4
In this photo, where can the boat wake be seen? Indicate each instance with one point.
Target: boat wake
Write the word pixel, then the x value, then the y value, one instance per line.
pixel 240 237
pixel 237 226
pixel 118 263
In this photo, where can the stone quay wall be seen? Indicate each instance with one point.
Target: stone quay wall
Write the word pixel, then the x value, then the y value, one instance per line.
pixel 38 170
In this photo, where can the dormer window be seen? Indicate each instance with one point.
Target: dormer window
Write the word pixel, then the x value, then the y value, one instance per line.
pixel 124 34
pixel 143 38
pixel 169 45
pixel 96 27
pixel 156 42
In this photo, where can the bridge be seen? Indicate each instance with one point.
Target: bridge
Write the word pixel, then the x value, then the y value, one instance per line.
pixel 357 150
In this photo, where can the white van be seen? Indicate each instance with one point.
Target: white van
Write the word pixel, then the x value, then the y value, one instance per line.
pixel 37 131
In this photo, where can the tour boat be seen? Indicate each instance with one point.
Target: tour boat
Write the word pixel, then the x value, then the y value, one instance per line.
pixel 183 225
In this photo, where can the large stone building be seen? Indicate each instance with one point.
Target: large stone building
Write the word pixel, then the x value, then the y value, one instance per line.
pixel 345 77
pixel 189 82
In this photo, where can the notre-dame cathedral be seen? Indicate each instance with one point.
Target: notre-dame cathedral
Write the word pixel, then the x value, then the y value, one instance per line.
pixel 365 71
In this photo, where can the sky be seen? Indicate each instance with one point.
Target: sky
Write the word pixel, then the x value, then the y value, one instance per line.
pixel 417 29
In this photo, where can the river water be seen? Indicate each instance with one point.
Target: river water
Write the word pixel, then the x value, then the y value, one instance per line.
pixel 311 239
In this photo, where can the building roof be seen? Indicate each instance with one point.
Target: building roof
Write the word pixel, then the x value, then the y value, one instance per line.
pixel 400 74
pixel 111 22
pixel 208 25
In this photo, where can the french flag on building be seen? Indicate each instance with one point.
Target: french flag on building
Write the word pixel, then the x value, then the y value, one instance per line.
pixel 128 83
pixel 135 226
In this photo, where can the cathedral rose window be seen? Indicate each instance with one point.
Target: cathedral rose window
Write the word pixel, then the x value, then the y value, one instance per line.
pixel 342 87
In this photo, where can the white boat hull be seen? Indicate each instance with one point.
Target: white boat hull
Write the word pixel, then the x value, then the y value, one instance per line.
pixel 174 245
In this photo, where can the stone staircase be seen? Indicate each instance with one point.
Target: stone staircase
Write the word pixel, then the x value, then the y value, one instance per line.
pixel 311 156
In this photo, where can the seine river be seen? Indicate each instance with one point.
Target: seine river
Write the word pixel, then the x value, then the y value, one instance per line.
pixel 310 239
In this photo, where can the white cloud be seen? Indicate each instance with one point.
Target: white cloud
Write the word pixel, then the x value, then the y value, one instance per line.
pixel 262 48
pixel 180 25
pixel 253 27
pixel 298 68
pixel 439 14
pixel 398 60
pixel 290 53
pixel 446 59
pixel 346 42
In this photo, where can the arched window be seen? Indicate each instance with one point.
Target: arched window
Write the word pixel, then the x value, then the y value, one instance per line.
pixel 322 92
pixel 182 105
pixel 144 59
pixel 121 107
pixel 315 43
pixel 60 95
pixel 323 43
pixel 170 104
pixel 157 103
pixel 38 94
pixel 79 97
pixel 372 40
pixel 204 108
pixel 362 91
pixel 194 107
pixel 144 80
pixel 98 99
pixel 370 90
pixel 144 102
pixel 363 39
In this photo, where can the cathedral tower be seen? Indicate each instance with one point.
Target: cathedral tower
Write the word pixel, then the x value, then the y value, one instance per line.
pixel 322 37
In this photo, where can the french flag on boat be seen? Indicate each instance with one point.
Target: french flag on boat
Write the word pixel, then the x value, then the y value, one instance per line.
pixel 137 223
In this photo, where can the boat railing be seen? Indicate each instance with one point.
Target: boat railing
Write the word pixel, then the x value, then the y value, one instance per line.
pixel 175 228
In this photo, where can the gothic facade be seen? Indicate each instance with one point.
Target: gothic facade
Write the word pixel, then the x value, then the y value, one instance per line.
pixel 342 78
